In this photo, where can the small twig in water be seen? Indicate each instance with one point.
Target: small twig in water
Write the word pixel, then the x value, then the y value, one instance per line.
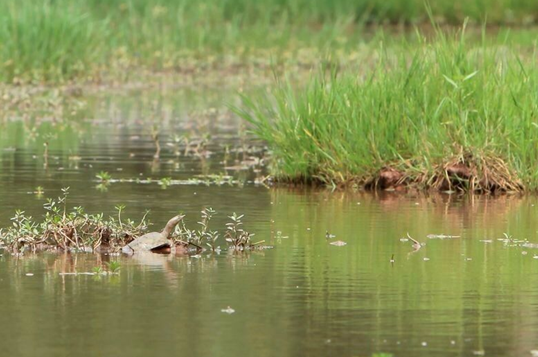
pixel 155 136
pixel 46 154
pixel 196 245
pixel 416 243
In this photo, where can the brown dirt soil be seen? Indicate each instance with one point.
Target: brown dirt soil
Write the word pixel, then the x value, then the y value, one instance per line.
pixel 477 174
pixel 387 178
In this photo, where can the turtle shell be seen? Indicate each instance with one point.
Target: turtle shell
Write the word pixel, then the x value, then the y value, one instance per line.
pixel 147 243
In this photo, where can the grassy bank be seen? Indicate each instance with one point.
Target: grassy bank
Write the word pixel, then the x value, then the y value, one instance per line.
pixel 444 114
pixel 64 39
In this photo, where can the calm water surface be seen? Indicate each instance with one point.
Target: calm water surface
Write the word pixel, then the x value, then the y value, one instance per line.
pixel 453 297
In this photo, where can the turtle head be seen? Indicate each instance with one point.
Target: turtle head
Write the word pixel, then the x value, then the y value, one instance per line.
pixel 171 224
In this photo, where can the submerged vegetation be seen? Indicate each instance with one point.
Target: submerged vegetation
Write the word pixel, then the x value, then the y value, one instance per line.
pixel 65 39
pixel 447 115
pixel 78 231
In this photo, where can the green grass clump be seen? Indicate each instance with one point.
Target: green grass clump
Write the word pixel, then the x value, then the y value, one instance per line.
pixel 44 39
pixel 423 110
pixel 58 40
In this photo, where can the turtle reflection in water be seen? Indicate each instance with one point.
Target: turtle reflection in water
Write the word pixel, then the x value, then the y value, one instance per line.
pixel 154 241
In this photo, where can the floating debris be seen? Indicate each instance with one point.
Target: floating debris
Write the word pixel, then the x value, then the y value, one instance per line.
pixel 338 243
pixel 530 245
pixel 206 180
pixel 392 259
pixel 29 274
pixel 512 242
pixel 486 241
pixel 441 236
pixel 404 240
pixel 426 259
pixel 228 310
pixel 90 273
pixel 416 244
pixel 329 235
pixel 479 353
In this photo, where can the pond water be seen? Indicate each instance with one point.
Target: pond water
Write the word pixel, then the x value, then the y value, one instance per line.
pixel 470 295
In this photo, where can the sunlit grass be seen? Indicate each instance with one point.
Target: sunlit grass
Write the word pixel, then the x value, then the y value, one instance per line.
pixel 417 110
pixel 65 39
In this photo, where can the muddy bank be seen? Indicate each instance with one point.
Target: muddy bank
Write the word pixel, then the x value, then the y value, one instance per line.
pixel 464 174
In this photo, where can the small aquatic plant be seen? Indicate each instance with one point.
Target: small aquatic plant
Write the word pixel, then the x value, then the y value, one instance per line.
pixel 39 191
pixel 197 238
pixel 238 238
pixel 209 237
pixel 114 266
pixel 165 182
pixel 103 177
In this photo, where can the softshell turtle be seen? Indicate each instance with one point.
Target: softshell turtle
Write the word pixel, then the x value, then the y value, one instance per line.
pixel 154 240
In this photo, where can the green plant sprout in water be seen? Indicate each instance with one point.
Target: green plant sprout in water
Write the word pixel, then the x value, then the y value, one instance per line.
pixel 198 238
pixel 114 266
pixel 113 269
pixel 236 238
pixel 39 192
pixel 165 182
pixel 103 177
